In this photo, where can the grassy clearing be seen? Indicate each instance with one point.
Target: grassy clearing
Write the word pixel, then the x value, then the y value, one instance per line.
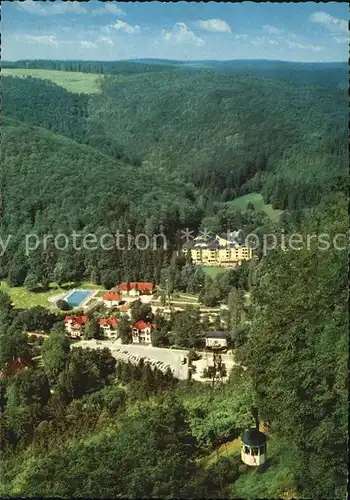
pixel 214 271
pixel 24 299
pixel 183 297
pixel 84 83
pixel 257 200
pixel 225 450
pixel 276 481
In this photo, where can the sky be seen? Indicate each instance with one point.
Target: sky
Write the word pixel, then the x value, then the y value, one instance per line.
pixel 97 30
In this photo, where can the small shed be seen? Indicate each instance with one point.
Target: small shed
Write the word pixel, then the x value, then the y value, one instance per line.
pixel 253 450
pixel 216 341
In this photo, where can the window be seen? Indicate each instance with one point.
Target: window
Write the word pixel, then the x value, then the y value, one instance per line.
pixel 255 451
pixel 247 450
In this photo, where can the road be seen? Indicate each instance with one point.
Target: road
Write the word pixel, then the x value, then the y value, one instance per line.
pixel 165 357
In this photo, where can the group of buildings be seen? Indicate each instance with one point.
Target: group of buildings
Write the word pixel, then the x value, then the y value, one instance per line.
pixel 218 252
pixel 127 289
pixel 141 330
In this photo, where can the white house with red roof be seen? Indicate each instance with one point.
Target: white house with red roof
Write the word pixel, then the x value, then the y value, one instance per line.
pixel 75 325
pixel 141 332
pixel 109 326
pixel 135 288
pixel 111 299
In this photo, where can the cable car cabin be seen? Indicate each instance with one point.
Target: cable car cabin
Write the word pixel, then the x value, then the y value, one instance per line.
pixel 253 450
pixel 216 341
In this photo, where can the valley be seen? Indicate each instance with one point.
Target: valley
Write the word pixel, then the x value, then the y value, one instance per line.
pixel 135 370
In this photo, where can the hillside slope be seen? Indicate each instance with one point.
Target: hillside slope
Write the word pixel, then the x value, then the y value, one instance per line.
pixel 229 135
pixel 226 134
pixel 67 180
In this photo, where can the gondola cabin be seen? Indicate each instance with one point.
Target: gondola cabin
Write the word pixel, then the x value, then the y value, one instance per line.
pixel 253 451
pixel 216 341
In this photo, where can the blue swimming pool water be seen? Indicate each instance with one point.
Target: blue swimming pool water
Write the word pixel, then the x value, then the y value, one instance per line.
pixel 77 297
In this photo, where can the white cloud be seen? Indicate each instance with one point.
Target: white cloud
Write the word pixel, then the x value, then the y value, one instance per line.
pixel 272 30
pixel 257 40
pixel 114 9
pixel 51 8
pixel 42 39
pixel 88 45
pixel 214 25
pixel 341 39
pixel 106 40
pixel 333 24
pixel 109 8
pixel 127 28
pixel 262 40
pixel 180 33
pixel 295 45
pixel 242 37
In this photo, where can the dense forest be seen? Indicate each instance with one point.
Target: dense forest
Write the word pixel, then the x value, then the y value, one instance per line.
pixel 327 74
pixel 171 159
pixel 172 147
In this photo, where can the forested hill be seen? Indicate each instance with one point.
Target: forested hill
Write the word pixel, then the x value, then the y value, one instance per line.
pixel 167 150
pixel 226 134
pixel 46 174
pixel 328 74
pixel 229 134
pixel 51 184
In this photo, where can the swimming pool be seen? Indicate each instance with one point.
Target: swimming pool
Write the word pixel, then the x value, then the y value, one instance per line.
pixel 77 297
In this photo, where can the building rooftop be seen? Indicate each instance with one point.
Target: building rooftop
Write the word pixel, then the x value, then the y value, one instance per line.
pixel 14 366
pixel 253 437
pixel 141 286
pixel 216 335
pixel 77 320
pixel 111 296
pixel 141 325
pixel 113 322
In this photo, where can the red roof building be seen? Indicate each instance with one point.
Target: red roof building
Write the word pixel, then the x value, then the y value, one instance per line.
pixel 77 321
pixel 74 325
pixel 112 296
pixel 14 366
pixel 142 325
pixel 141 332
pixel 139 287
pixel 109 323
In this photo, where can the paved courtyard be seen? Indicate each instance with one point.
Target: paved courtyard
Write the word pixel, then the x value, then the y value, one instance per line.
pixel 160 357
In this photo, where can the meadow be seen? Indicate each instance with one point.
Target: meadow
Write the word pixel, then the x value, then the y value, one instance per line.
pixel 24 299
pixel 257 200
pixel 80 83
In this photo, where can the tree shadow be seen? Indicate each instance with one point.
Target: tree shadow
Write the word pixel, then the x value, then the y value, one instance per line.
pixel 271 461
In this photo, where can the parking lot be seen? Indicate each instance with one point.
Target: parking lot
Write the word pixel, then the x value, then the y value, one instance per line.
pixel 160 357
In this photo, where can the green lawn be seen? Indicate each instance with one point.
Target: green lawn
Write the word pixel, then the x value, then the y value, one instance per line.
pixel 230 448
pixel 22 298
pixel 184 297
pixel 214 271
pixel 85 83
pixel 257 200
pixel 73 81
